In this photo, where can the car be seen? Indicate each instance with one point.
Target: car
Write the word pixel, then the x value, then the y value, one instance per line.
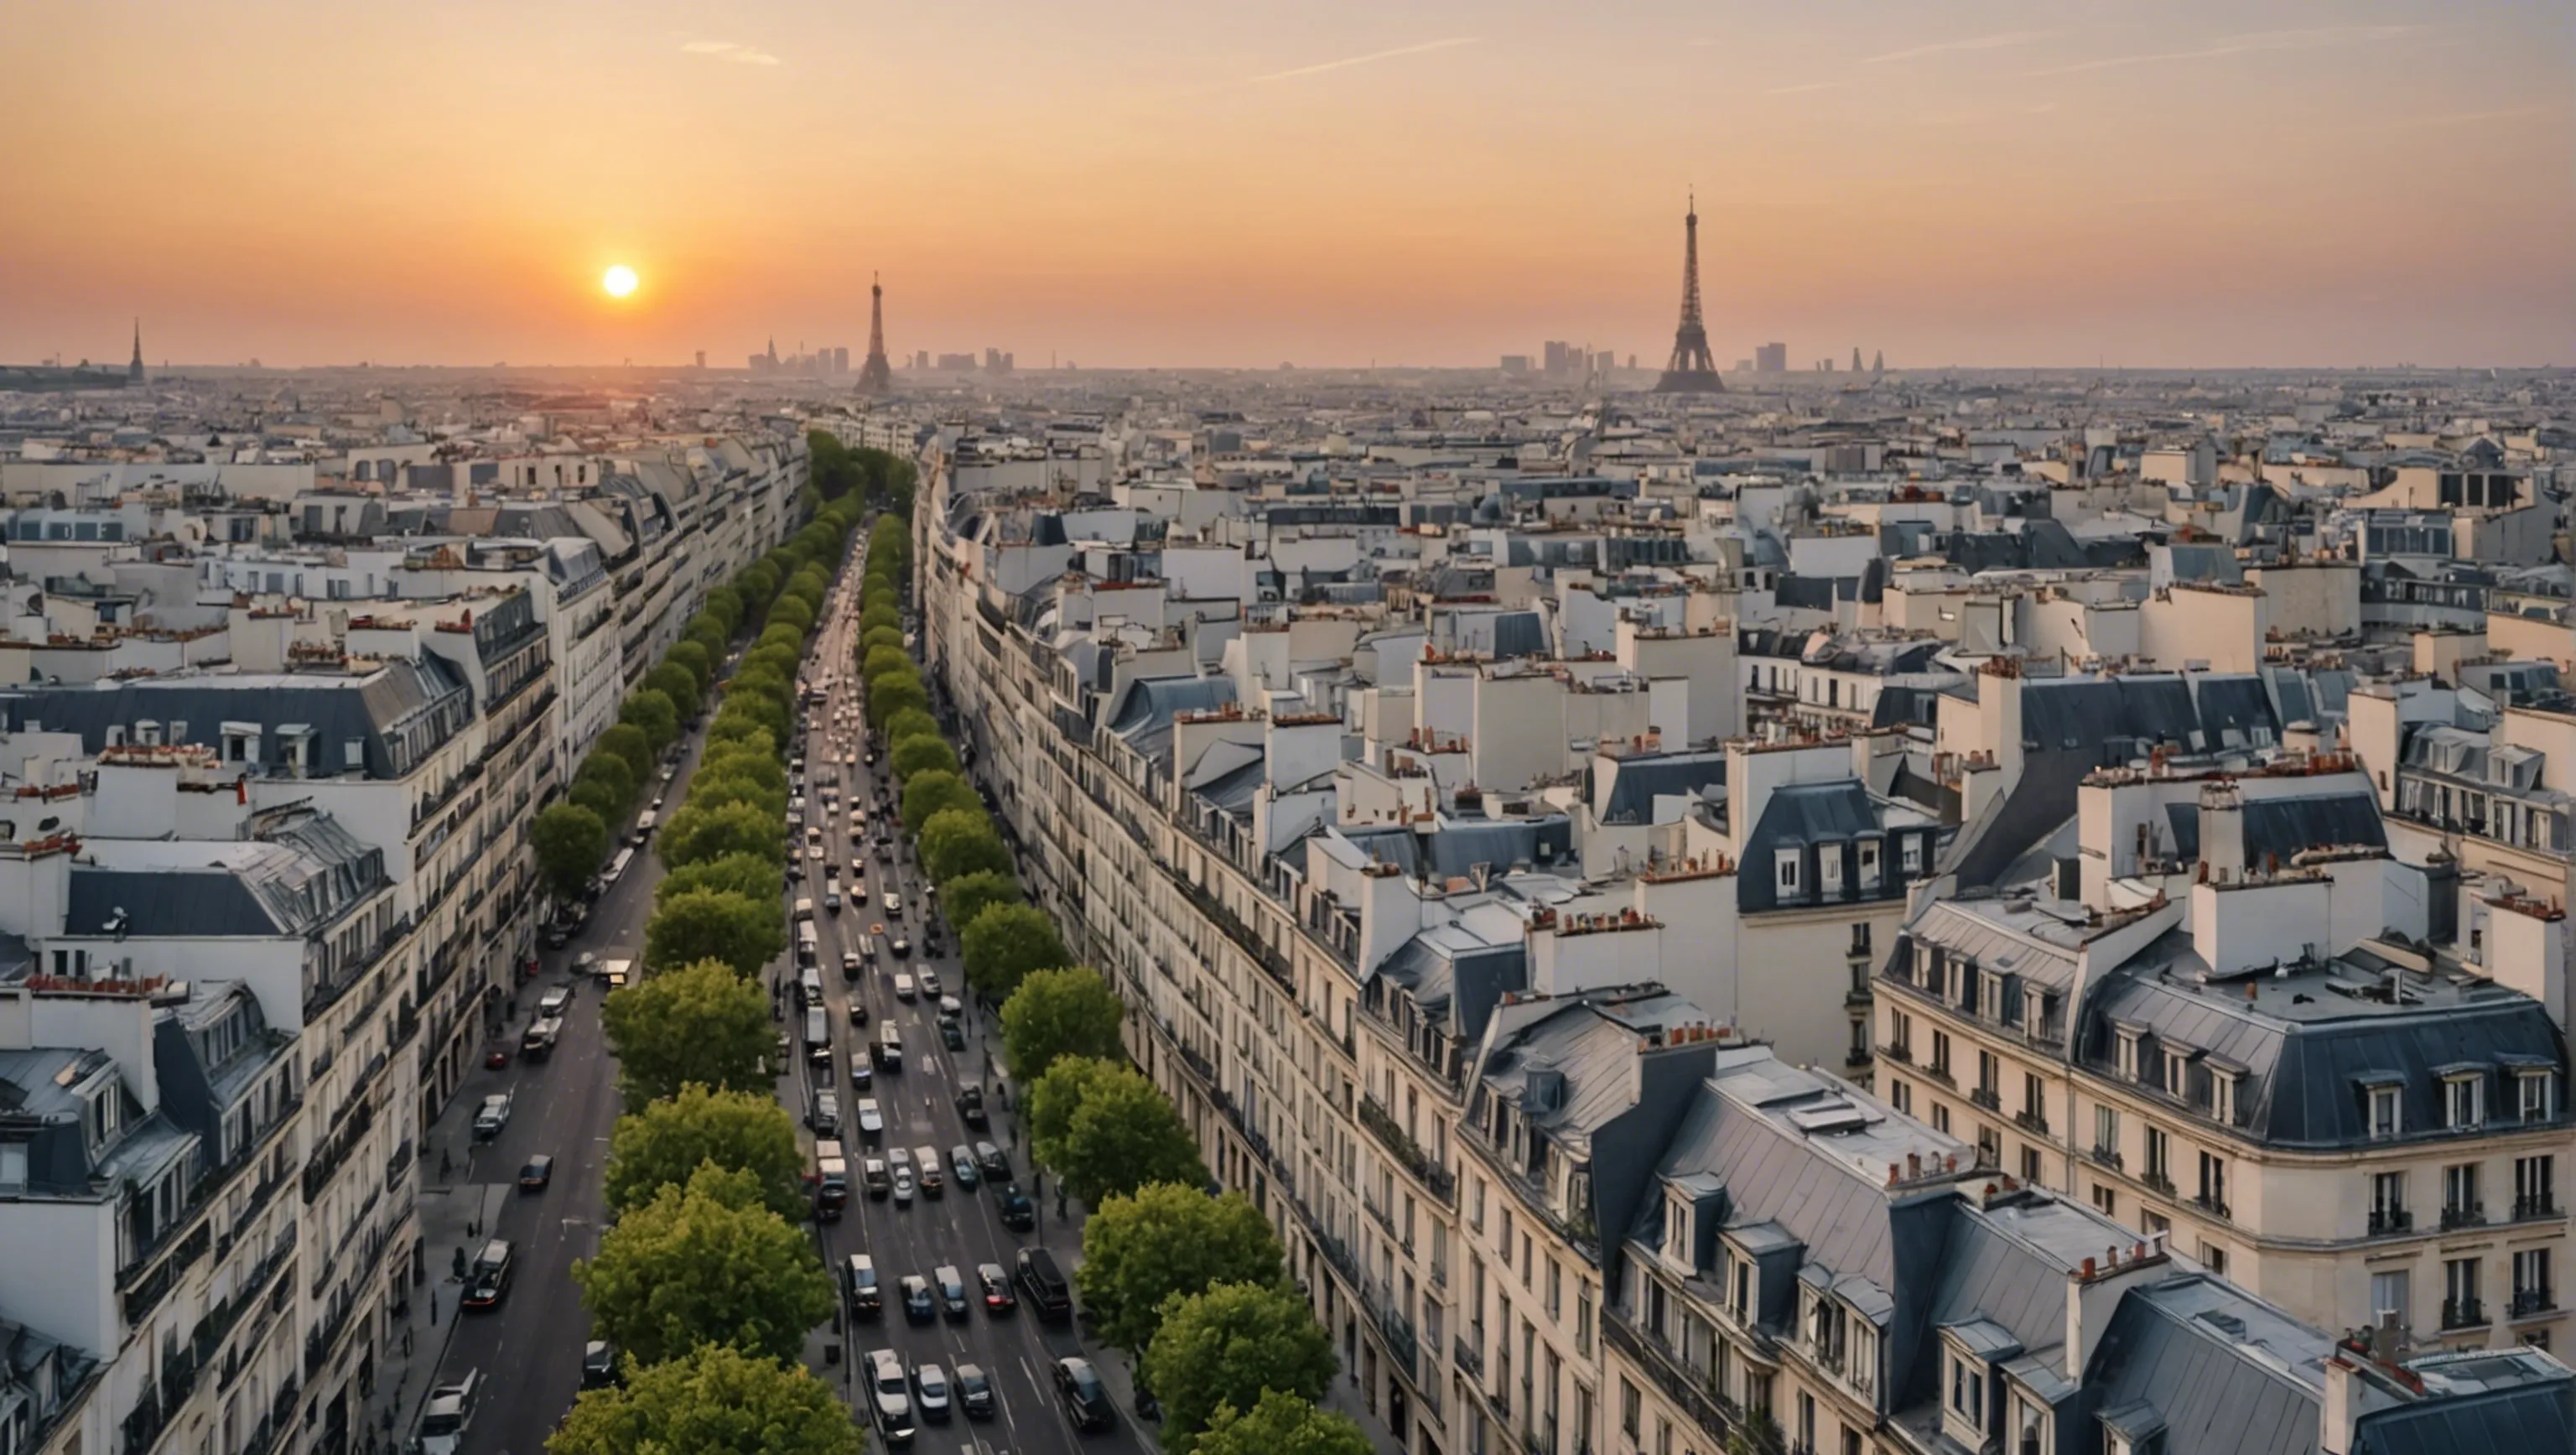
pixel 951 1288
pixel 832 900
pixel 952 1034
pixel 851 967
pixel 926 1160
pixel 489 1277
pixel 970 1105
pixel 859 1287
pixel 961 1161
pixel 992 1162
pixel 903 1186
pixel 862 1075
pixel 901 947
pixel 598 1364
pixel 1086 1399
pixel 930 1391
pixel 929 979
pixel 823 1114
pixel 491 1117
pixel 891 1395
pixel 586 963
pixel 1017 1212
pixel 998 1298
pixel 951 1008
pixel 885 852
pixel 553 1004
pixel 893 904
pixel 871 1115
pixel 903 987
pixel 872 1172
pixel 975 1392
pixel 917 1307
pixel 814 852
pixel 536 1173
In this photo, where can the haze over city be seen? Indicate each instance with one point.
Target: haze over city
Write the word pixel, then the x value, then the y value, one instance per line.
pixel 1329 183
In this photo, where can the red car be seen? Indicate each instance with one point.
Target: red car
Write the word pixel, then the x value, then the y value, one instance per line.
pixel 998 1298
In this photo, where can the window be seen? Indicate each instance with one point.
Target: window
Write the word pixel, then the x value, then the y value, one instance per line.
pixel 1806 1431
pixel 2106 1200
pixel 2030 1168
pixel 1829 868
pixel 1910 854
pixel 2213 1183
pixel 2213 1256
pixel 2534 1089
pixel 2531 1293
pixel 1990 1076
pixel 2460 1204
pixel 2535 1186
pixel 1900 1095
pixel 1967 1390
pixel 13 1164
pixel 1628 1403
pixel 2222 1097
pixel 2460 1308
pixel 1784 869
pixel 2386 1118
pixel 2177 1073
pixel 2462 1103
pixel 1900 1034
pixel 2126 1055
pixel 1869 863
pixel 2029 1426
pixel 2106 1132
pixel 2160 1159
pixel 2393 1293
pixel 1941 1052
pixel 1940 1118
pixel 1860 939
pixel 2388 1202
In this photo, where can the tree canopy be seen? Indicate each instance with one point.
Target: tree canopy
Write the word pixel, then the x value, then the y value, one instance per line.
pixel 708 790
pixel 1004 944
pixel 609 771
pixel 967 896
pixel 883 660
pixel 961 841
pixel 1282 1424
pixel 1165 1240
pixel 696 833
pixel 699 1024
pixel 627 742
pixel 705 1263
pixel 1057 1013
pixel 1106 1130
pixel 748 875
pixel 933 792
pixel 571 843
pixel 744 932
pixel 603 800
pixel 674 682
pixel 716 1400
pixel 655 713
pixel 1229 1345
pixel 752 760
pixel 741 1131
pixel 890 695
pixel 922 753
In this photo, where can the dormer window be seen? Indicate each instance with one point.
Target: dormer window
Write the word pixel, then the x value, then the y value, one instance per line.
pixel 1784 869
pixel 1910 854
pixel 2222 1097
pixel 1967 1383
pixel 2387 1113
pixel 2177 1072
pixel 1829 868
pixel 1869 863
pixel 2538 1103
pixel 2125 1054
pixel 147 733
pixel 2463 1100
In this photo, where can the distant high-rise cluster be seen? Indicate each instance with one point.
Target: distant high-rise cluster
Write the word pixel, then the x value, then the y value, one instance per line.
pixel 821 363
pixel 1771 358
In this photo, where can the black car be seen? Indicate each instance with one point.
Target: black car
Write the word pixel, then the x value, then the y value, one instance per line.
pixel 998 1298
pixel 537 1173
pixel 1018 1213
pixel 902 947
pixel 952 1292
pixel 917 1307
pixel 598 1364
pixel 970 1105
pixel 992 1162
pixel 975 1392
pixel 1086 1399
pixel 952 1035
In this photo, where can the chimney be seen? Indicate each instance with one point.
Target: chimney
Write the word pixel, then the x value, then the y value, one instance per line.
pixel 2222 830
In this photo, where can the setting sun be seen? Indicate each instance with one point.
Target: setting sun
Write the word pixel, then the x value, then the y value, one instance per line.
pixel 619 281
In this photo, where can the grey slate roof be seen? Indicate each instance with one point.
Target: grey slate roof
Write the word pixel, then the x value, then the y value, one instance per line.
pixel 2281 827
pixel 400 712
pixel 2180 1347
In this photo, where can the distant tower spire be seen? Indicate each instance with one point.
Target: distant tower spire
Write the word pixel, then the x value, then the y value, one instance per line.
pixel 134 370
pixel 876 376
pixel 1692 370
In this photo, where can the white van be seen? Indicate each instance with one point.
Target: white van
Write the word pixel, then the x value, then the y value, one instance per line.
pixel 804 908
pixel 450 1409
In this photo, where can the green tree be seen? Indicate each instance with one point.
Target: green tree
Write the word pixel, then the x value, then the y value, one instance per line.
pixel 1162 1241
pixel 610 771
pixel 781 634
pixel 922 754
pixel 757 584
pixel 877 637
pixel 693 658
pixel 711 637
pixel 1225 1347
pixel 674 682
pixel 909 723
pixel 714 1400
pixel 705 1263
pixel 748 875
pixel 699 1024
pixel 891 695
pixel 934 792
pixel 732 828
pixel 752 760
pixel 1108 1131
pixel 712 924
pixel 655 713
pixel 709 790
pixel 883 660
pixel 793 611
pixel 880 616
pixel 603 801
pixel 740 1131
pixel 741 728
pixel 571 844
pixel 830 466
pixel 1004 944
pixel 1057 1013
pixel 629 745
pixel 967 896
pixel 961 841
pixel 1282 1424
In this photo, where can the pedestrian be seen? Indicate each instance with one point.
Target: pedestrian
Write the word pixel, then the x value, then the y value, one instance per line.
pixel 406 1341
pixel 446 1164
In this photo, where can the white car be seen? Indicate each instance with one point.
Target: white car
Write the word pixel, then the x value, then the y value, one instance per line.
pixel 903 1184
pixel 491 1117
pixel 871 1116
pixel 929 980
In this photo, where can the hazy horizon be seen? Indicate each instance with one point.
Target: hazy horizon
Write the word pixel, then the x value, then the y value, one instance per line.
pixel 2268 184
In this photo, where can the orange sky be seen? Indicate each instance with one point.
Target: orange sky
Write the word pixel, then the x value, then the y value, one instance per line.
pixel 1150 182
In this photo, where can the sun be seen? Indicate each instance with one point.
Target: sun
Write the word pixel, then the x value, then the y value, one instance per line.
pixel 619 281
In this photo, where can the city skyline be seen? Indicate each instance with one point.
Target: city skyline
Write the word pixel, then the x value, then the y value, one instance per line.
pixel 1999 185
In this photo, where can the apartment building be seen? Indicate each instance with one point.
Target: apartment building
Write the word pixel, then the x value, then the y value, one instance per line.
pixel 2220 1022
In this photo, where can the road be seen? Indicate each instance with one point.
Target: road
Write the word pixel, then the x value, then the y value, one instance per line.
pixel 530 1349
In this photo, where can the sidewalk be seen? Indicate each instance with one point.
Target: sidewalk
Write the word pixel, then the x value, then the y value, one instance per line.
pixel 453 1214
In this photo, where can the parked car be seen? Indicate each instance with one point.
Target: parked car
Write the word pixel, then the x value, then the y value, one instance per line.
pixel 992 1162
pixel 598 1364
pixel 871 1116
pixel 891 1395
pixel 1086 1399
pixel 961 1162
pixel 1018 1213
pixel 970 1105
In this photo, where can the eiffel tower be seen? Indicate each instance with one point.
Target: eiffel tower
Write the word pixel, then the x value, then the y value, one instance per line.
pixel 876 376
pixel 1691 371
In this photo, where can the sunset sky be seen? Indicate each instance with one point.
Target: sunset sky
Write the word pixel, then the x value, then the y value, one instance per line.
pixel 1134 182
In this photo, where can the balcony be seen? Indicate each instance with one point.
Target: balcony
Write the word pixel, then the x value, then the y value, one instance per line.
pixel 2463 1313
pixel 2032 1122
pixel 1940 1071
pixel 1401 1147
pixel 2530 1301
pixel 2108 1157
pixel 2464 1215
pixel 2211 1203
pixel 1673 1377
pixel 2388 1221
pixel 1471 1360
pixel 2157 1182
pixel 146 1294
pixel 2539 1205
pixel 1898 1052
pixel 1987 1097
